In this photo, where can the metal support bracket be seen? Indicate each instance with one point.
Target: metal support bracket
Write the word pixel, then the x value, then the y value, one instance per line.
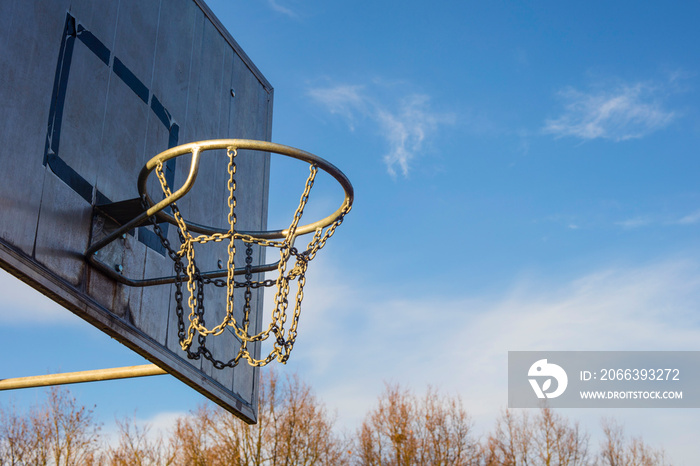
pixel 126 216
pixel 145 370
pixel 121 212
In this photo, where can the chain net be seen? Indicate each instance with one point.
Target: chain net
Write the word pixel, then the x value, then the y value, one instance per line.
pixel 291 267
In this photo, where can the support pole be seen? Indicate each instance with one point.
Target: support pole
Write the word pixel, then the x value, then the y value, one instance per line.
pixel 79 377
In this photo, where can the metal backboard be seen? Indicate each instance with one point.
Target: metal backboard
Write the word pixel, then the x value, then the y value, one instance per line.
pixel 91 90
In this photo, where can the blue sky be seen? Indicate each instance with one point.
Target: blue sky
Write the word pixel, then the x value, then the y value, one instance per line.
pixel 526 178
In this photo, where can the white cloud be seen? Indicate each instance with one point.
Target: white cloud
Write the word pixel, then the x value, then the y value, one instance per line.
pixel 22 304
pixel 635 222
pixel 276 6
pixel 690 219
pixel 160 422
pixel 405 125
pixel 159 426
pixel 347 101
pixel 626 112
pixel 648 220
pixel 406 130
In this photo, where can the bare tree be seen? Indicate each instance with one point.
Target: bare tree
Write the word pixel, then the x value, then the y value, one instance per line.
pixel 557 442
pixel 617 451
pixel 406 430
pixel 57 432
pixel 137 446
pixel 15 437
pixel 613 446
pixel 445 435
pixel 548 439
pixel 511 442
pixel 386 435
pixel 293 428
pixel 191 439
pixel 299 428
pixel 70 432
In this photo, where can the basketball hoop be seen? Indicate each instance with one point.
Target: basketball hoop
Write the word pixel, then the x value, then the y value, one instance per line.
pixel 290 267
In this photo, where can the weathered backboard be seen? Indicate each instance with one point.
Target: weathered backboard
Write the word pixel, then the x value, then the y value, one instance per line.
pixel 91 90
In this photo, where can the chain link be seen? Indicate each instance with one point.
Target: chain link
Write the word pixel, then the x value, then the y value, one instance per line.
pixel 189 274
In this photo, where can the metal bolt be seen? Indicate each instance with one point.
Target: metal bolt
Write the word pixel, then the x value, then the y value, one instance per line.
pixel 233 93
pixel 220 264
pixel 119 268
pixel 123 235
